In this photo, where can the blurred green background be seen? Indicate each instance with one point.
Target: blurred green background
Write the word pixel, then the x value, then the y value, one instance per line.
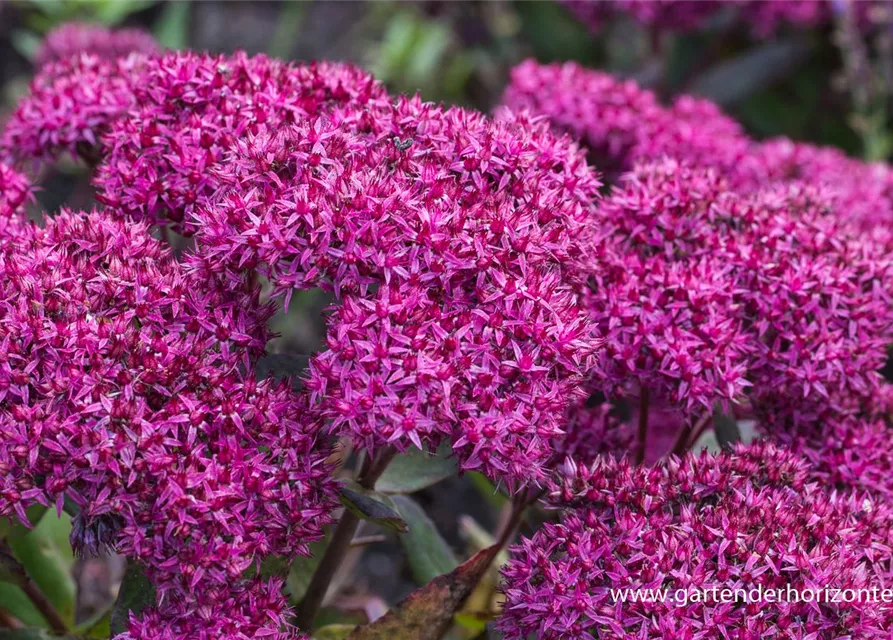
pixel 460 52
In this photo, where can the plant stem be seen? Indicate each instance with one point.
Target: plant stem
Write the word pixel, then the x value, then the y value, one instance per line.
pixel 688 435
pixel 46 608
pixel 30 589
pixel 641 443
pixel 340 543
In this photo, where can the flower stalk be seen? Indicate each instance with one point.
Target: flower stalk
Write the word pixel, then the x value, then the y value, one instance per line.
pixel 341 542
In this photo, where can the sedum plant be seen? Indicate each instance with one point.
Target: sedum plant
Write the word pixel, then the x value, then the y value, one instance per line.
pixel 558 300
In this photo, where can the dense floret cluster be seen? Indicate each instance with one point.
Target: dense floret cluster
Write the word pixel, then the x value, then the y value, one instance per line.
pixel 487 292
pixel 243 611
pixel 734 520
pixel 74 38
pixel 15 190
pixel 467 228
pixel 124 388
pixel 70 106
pixel 190 109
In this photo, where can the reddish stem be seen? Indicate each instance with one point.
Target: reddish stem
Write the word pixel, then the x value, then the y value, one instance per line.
pixel 642 442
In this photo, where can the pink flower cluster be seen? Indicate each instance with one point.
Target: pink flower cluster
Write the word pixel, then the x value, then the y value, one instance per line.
pixel 659 293
pixel 162 155
pixel 735 520
pixel 252 609
pixel 450 242
pixel 74 38
pixel 70 105
pixel 126 386
pixel 764 17
pixel 15 190
pixel 773 275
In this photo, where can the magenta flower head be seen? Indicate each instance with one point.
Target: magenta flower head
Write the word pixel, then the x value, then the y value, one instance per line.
pixel 70 105
pixel 673 15
pixel 660 292
pixel 126 386
pixel 15 191
pixel 74 38
pixel 466 229
pixel 192 108
pixel 621 123
pixel 849 454
pixel 819 306
pixel 243 611
pixel 697 133
pixel 605 113
pixel 688 530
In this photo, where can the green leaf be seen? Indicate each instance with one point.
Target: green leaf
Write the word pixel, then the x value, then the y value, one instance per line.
pixel 473 621
pixel 416 470
pixel 487 490
pixel 289 24
pixel 17 603
pixel 97 626
pixel 113 12
pixel 136 594
pixel 428 553
pixel 274 567
pixel 302 569
pixel 371 506
pixel 172 28
pixel 46 556
pixel 427 612
pixel 333 632
pixel 26 43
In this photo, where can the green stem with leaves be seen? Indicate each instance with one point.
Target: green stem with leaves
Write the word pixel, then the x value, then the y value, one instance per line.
pixel 340 542
pixel 11 566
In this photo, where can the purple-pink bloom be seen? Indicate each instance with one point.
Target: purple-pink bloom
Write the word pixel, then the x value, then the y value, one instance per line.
pixel 70 105
pixel 15 191
pixel 848 454
pixel 623 124
pixel 661 293
pixel 127 386
pixel 452 245
pixel 742 519
pixel 191 109
pixel 241 611
pixel 74 38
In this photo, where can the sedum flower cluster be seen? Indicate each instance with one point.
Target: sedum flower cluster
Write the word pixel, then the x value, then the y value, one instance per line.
pixel 446 238
pixel 721 272
pixel 764 18
pixel 124 388
pixel 487 291
pixel 743 520
pixel 74 38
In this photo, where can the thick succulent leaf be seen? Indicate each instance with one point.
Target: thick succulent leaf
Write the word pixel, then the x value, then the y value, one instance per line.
pixel 731 81
pixel 301 571
pixel 428 553
pixel 136 594
pixel 427 613
pixel 416 470
pixel 17 603
pixel 45 554
pixel 371 506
